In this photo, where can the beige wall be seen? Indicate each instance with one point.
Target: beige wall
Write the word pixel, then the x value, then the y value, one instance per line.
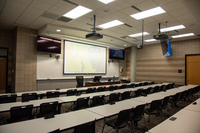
pixel 152 66
pixel 26 60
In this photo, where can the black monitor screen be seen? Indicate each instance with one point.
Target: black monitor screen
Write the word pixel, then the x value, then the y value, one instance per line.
pixel 116 54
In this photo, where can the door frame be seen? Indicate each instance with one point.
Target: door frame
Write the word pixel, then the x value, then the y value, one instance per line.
pixel 7 90
pixel 186 65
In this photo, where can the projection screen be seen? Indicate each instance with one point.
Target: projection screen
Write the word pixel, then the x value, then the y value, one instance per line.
pixel 80 58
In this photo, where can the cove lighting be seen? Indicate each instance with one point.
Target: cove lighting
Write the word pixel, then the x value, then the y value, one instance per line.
pixel 148 13
pixel 110 24
pixel 183 35
pixel 172 28
pixel 150 40
pixel 139 34
pixel 77 12
pixel 106 1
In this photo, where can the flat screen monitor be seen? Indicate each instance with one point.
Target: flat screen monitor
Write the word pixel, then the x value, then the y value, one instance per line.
pixel 169 49
pixel 46 44
pixel 97 78
pixel 116 54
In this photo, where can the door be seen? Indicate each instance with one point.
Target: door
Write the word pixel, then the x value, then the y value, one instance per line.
pixel 3 70
pixel 193 69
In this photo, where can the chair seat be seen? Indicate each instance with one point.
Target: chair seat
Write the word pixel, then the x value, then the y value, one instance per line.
pixel 113 123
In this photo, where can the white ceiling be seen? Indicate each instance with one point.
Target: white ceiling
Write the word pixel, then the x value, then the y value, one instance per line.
pixel 31 14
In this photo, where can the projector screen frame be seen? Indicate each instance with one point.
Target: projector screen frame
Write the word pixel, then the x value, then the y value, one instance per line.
pixel 83 43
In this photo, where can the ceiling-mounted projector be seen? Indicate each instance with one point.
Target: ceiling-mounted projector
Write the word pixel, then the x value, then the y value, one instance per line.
pixel 93 35
pixel 160 36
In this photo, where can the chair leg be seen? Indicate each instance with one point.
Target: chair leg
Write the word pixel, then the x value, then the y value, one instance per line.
pixel 103 127
pixel 116 130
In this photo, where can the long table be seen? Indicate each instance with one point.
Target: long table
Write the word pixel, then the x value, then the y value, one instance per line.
pixel 41 125
pixel 185 121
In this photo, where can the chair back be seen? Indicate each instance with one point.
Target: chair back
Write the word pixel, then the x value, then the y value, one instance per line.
pixel 71 92
pixel 138 92
pixel 155 105
pixel 113 97
pixel 79 80
pixel 91 90
pixel 20 113
pixel 100 89
pixel 145 83
pixel 138 112
pixel 125 95
pixel 111 88
pixel 123 86
pixel 156 89
pixel 8 98
pixel 123 118
pixel 29 96
pixel 98 100
pixel 48 109
pixel 162 88
pixel 52 94
pixel 85 128
pixel 165 102
pixel 82 103
pixel 140 84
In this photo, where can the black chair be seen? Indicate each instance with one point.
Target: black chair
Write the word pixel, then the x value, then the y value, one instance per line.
pixel 162 88
pixel 91 90
pixel 48 110
pixel 97 100
pixel 29 96
pixel 85 128
pixel 100 89
pixel 168 86
pixel 79 80
pixel 132 85
pixel 52 94
pixel 20 113
pixel 155 109
pixel 8 98
pixel 111 88
pixel 145 83
pixel 71 92
pixel 140 84
pixel 174 99
pixel 164 104
pixel 120 122
pixel 136 85
pixel 81 103
pixel 122 86
pixel 113 97
pixel 137 115
pixel 156 89
pixel 172 85
pixel 55 131
pixel 138 92
pixel 125 95
pixel 147 91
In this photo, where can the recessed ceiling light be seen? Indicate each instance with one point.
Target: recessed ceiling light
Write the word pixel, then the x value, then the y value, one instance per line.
pixel 150 40
pixel 110 24
pixel 124 44
pixel 77 12
pixel 148 13
pixel 58 30
pixel 183 35
pixel 139 34
pixel 172 28
pixel 106 1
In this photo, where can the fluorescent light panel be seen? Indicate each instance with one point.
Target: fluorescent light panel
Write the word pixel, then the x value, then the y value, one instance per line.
pixel 150 40
pixel 172 28
pixel 106 1
pixel 148 13
pixel 77 12
pixel 111 24
pixel 183 35
pixel 139 34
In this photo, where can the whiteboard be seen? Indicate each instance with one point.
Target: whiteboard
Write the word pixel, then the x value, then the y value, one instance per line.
pixel 52 68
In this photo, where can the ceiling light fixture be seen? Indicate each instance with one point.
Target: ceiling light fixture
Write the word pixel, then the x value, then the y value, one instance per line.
pixel 183 35
pixel 77 12
pixel 172 28
pixel 139 34
pixel 58 30
pixel 106 1
pixel 150 40
pixel 148 13
pixel 110 24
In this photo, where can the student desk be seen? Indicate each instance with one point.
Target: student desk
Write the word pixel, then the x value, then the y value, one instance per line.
pixel 41 125
pixel 194 107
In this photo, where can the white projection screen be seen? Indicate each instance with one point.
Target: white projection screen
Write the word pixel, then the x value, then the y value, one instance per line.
pixel 80 58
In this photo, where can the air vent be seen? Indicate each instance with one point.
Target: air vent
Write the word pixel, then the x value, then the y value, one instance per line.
pixel 64 19
pixel 50 15
pixel 71 2
pixel 134 7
